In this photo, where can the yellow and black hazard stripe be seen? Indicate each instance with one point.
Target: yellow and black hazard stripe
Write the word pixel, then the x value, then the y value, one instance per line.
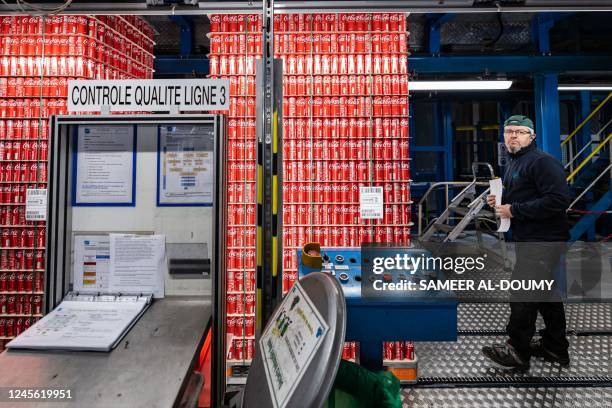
pixel 259 238
pixel 274 250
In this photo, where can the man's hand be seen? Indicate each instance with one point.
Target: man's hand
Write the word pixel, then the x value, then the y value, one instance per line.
pixel 503 211
pixel 491 200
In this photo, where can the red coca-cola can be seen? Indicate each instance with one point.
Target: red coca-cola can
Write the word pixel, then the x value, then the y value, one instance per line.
pixel 239 326
pixel 5 196
pixel 239 349
pixel 409 350
pixel 40 260
pixel 4 259
pixel 38 283
pixel 37 305
pixel 231 304
pixel 15 197
pixel 240 304
pixel 249 326
pixel 12 282
pixel 28 260
pixel 14 238
pixel 29 238
pixel 20 280
pixel 346 351
pixel 27 304
pixel 250 282
pixel 239 281
pixel 250 303
pixel 231 325
pixel 388 350
pixel 19 327
pixel 11 259
pixel 231 284
pixel 399 350
pixel 250 349
pixel 19 261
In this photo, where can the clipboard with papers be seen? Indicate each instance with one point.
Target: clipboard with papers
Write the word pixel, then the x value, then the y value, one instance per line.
pixel 85 322
pixel 98 320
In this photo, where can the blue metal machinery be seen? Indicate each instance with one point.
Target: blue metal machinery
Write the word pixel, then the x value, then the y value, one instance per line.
pixel 372 321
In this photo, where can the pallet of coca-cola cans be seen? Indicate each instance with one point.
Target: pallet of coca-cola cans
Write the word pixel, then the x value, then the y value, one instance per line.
pixel 104 47
pixel 233 54
pixel 38 56
pixel 345 126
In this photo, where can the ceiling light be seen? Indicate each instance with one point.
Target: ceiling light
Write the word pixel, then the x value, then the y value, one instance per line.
pixel 584 87
pixel 458 85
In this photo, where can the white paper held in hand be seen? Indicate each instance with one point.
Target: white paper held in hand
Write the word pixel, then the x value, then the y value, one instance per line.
pixel 497 189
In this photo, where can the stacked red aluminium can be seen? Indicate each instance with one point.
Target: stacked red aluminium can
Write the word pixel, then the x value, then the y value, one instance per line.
pixel 345 126
pixel 37 59
pixel 235 43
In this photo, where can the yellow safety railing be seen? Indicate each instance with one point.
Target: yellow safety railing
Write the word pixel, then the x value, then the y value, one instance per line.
pixel 590 156
pixel 584 122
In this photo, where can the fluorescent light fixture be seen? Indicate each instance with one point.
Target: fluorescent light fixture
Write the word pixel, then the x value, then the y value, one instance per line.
pixel 458 85
pixel 584 87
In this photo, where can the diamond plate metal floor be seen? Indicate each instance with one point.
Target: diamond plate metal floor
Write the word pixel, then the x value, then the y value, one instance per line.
pixel 581 317
pixel 507 397
pixel 590 355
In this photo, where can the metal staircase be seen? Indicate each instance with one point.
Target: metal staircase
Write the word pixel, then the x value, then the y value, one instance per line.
pixel 466 207
pixel 589 175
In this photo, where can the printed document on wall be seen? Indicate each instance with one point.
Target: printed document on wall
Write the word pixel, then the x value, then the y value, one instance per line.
pixel 185 173
pixel 105 165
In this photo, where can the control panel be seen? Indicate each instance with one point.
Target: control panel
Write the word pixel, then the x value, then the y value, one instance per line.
pixel 373 321
pixel 343 263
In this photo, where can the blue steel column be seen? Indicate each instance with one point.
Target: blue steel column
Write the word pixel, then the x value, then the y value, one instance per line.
pixel 435 22
pixel 186 35
pixel 447 134
pixel 548 127
pixel 585 108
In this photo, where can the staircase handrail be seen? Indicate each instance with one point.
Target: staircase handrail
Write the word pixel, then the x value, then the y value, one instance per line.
pixel 589 157
pixel 588 118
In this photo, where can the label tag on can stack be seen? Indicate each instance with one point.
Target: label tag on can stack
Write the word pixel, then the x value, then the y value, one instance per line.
pixel 36 204
pixel 371 202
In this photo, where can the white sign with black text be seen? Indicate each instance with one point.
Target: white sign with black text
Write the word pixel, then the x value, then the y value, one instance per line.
pixel 371 202
pixel 145 95
pixel 36 204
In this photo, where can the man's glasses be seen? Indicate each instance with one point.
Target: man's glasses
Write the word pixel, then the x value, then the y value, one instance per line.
pixel 517 132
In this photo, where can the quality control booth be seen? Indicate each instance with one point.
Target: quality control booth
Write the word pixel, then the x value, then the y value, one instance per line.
pixel 133 221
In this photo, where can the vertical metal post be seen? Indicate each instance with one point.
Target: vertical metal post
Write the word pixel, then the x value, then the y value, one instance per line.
pixel 186 34
pixel 268 182
pixel 447 133
pixel 476 133
pixel 548 127
pixel 585 109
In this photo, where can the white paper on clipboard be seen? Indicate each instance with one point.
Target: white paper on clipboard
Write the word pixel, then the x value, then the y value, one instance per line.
pixel 496 189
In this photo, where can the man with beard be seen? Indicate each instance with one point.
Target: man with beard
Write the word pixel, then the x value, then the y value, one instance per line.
pixel 535 197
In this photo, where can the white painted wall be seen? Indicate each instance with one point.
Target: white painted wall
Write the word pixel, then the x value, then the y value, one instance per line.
pixel 191 225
